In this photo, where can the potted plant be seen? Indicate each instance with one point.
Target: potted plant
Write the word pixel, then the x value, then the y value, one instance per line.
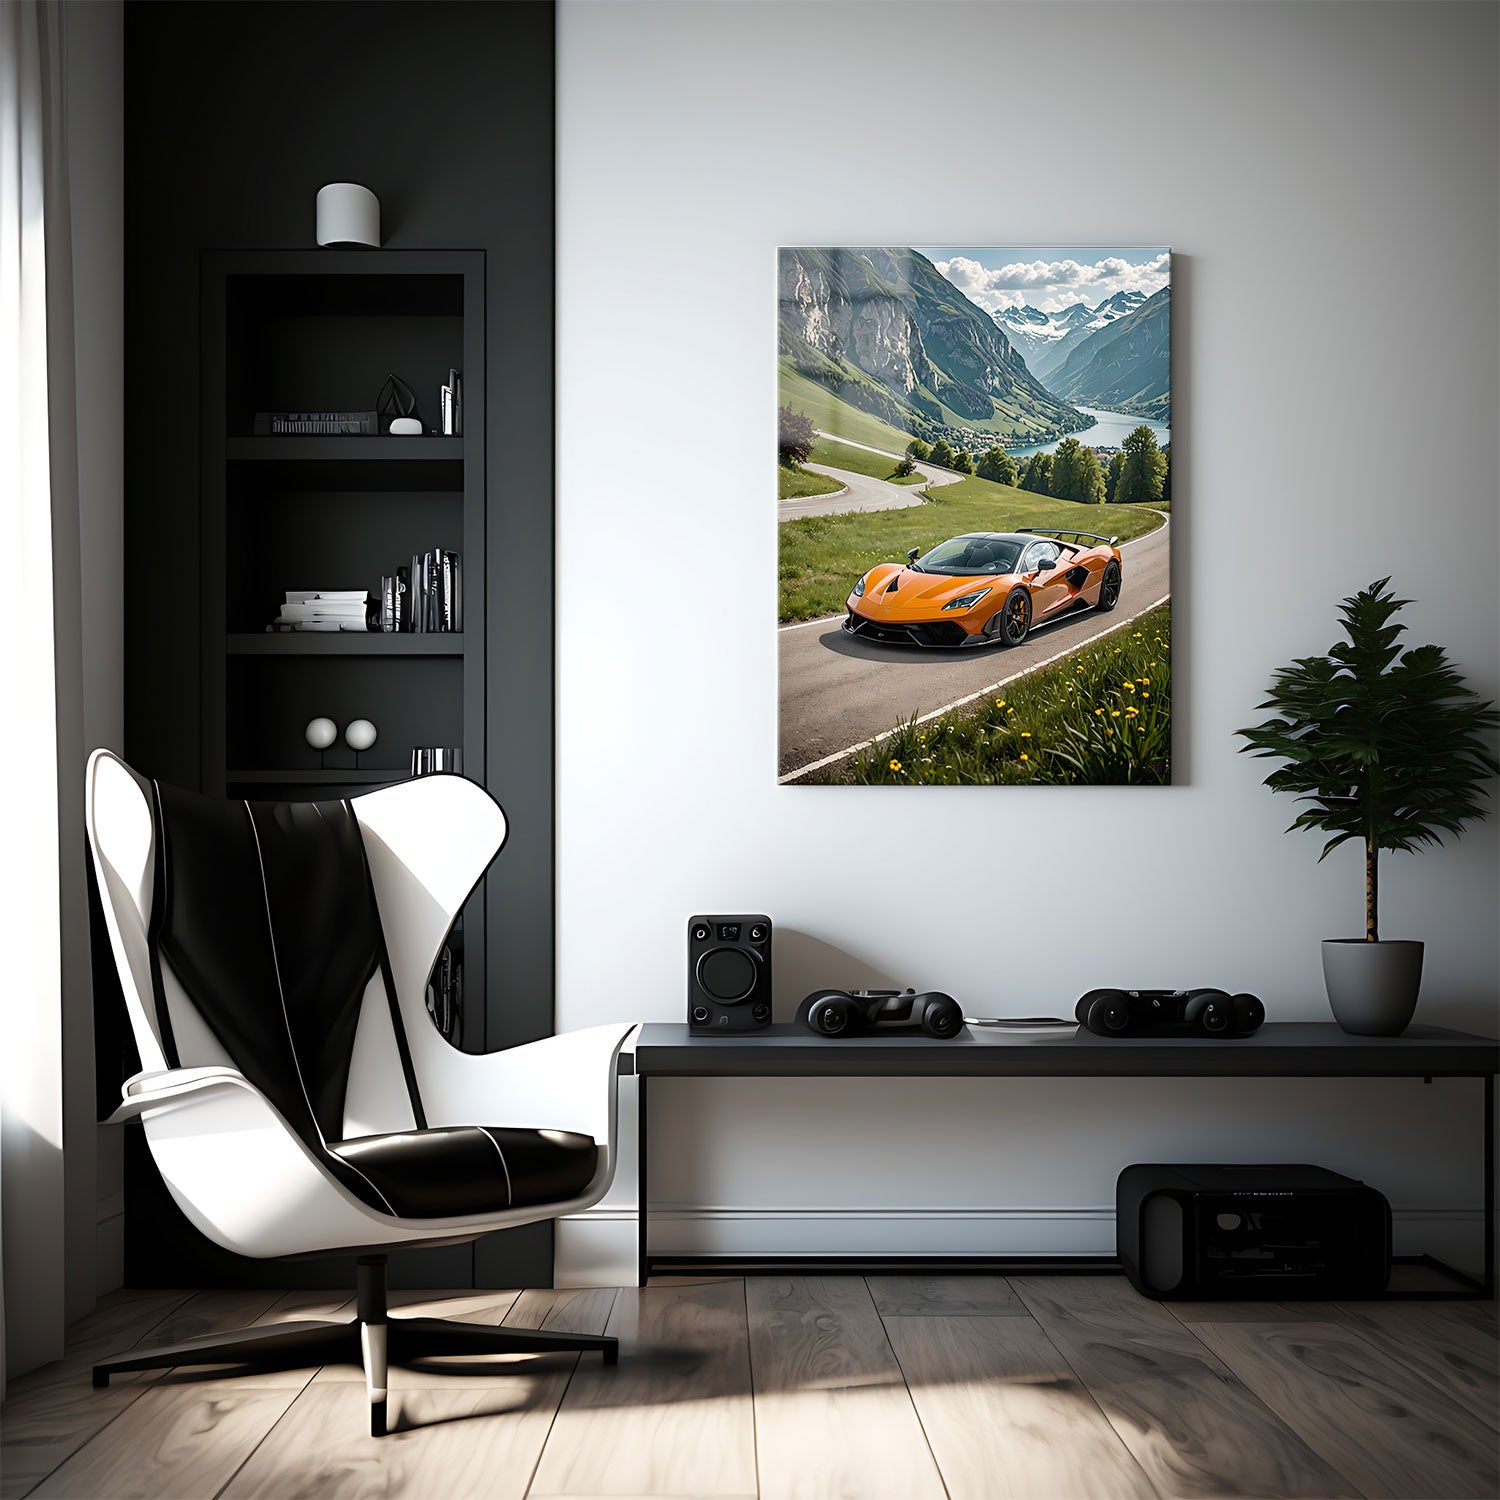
pixel 1389 747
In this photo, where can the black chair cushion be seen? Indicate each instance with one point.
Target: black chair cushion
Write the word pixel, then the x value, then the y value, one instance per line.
pixel 470 1169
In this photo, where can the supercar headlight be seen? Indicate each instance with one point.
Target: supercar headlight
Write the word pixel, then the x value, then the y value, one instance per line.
pixel 859 588
pixel 966 601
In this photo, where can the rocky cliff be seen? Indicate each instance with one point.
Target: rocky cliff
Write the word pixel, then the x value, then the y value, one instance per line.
pixel 884 330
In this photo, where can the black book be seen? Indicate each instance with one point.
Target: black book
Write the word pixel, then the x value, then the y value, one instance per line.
pixel 403 599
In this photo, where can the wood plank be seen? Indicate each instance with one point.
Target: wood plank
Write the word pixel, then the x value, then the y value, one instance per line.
pixel 939 1296
pixel 469 1438
pixel 46 1427
pixel 120 1321
pixel 674 1417
pixel 832 1413
pixel 296 1306
pixel 1459 1357
pixel 474 1442
pixel 1005 1415
pixel 56 1411
pixel 1191 1313
pixel 1386 1427
pixel 120 1318
pixel 1190 1423
pixel 178 1441
pixel 564 1310
pixel 212 1312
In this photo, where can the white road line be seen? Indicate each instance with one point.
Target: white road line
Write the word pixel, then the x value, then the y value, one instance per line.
pixel 1155 531
pixel 948 708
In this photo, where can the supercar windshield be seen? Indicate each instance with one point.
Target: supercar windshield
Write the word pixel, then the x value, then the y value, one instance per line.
pixel 964 555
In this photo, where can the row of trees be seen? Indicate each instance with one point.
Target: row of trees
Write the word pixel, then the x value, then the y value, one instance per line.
pixel 1139 474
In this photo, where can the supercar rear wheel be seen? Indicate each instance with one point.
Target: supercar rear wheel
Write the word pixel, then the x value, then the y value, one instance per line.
pixel 1109 587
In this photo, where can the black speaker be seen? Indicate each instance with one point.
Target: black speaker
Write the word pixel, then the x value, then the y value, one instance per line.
pixel 729 975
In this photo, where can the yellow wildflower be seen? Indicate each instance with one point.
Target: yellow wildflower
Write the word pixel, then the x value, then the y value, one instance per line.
pixel 895 765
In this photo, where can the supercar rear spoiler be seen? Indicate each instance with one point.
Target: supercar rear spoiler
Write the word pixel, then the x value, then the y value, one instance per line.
pixel 1064 536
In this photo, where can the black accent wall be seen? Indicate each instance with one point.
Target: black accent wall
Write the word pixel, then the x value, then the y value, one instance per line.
pixel 235 116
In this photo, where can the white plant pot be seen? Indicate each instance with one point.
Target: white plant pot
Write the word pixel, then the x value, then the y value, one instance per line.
pixel 1372 987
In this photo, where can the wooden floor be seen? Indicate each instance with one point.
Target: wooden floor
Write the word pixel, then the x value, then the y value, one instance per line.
pixel 972 1387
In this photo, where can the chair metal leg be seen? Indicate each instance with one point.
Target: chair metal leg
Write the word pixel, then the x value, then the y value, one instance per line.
pixel 372 1343
pixel 427 1338
pixel 276 1346
pixel 372 1338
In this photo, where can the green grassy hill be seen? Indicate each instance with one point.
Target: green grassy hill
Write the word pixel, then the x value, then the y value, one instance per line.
pixel 839 455
pixel 829 414
pixel 795 483
pixel 822 556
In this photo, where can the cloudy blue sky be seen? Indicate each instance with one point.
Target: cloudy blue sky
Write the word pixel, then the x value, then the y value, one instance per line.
pixel 1048 277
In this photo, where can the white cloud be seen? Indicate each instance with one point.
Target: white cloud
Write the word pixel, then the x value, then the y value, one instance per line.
pixel 1053 285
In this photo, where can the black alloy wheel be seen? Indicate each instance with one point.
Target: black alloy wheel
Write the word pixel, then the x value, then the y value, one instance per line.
pixel 1109 587
pixel 1015 617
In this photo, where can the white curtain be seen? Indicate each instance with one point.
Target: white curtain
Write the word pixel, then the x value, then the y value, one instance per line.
pixel 42 840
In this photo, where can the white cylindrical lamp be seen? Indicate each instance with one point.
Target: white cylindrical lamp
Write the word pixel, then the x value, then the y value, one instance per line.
pixel 348 214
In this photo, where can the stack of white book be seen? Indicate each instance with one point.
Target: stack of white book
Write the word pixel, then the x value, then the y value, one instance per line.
pixel 322 609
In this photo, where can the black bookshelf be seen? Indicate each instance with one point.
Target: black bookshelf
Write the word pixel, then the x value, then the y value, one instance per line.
pixel 321 330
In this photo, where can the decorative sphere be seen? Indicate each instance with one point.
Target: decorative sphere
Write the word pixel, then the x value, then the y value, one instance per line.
pixel 321 733
pixel 360 735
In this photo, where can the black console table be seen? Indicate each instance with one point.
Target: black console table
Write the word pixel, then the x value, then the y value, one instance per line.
pixel 1280 1049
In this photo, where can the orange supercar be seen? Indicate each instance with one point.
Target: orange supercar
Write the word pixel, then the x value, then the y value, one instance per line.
pixel 985 588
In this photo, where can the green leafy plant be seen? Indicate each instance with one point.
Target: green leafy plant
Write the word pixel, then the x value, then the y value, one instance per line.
pixel 1389 746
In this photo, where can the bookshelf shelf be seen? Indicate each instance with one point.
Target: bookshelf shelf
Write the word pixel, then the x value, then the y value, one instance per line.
pixel 320 776
pixel 297 448
pixel 342 643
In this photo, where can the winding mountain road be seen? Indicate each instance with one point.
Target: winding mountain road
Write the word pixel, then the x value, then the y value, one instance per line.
pixel 837 692
pixel 862 492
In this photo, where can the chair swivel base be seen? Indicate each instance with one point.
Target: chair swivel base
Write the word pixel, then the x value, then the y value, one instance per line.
pixel 370 1339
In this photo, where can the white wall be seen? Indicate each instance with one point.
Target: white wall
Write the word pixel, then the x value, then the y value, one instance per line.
pixel 1327 176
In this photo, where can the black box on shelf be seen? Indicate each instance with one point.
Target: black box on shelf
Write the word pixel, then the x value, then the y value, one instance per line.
pixel 1227 1233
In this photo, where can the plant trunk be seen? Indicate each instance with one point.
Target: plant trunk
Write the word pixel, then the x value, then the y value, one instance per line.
pixel 1372 891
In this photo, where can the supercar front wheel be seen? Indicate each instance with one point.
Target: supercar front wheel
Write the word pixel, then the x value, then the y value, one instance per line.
pixel 1015 617
pixel 1109 587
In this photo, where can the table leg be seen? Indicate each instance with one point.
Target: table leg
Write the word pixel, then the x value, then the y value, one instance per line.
pixel 642 1212
pixel 1489 1185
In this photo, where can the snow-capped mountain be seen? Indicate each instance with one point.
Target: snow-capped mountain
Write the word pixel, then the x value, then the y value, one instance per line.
pixel 1044 340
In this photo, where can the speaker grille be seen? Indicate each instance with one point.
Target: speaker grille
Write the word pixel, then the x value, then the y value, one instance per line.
pixel 727 974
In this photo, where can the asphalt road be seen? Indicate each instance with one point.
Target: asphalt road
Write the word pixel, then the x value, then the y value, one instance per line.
pixel 863 492
pixel 837 692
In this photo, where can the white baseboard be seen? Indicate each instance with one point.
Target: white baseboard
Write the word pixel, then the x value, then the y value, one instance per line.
pixel 598 1247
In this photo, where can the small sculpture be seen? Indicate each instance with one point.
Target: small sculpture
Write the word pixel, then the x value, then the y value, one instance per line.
pixel 320 734
pixel 358 736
